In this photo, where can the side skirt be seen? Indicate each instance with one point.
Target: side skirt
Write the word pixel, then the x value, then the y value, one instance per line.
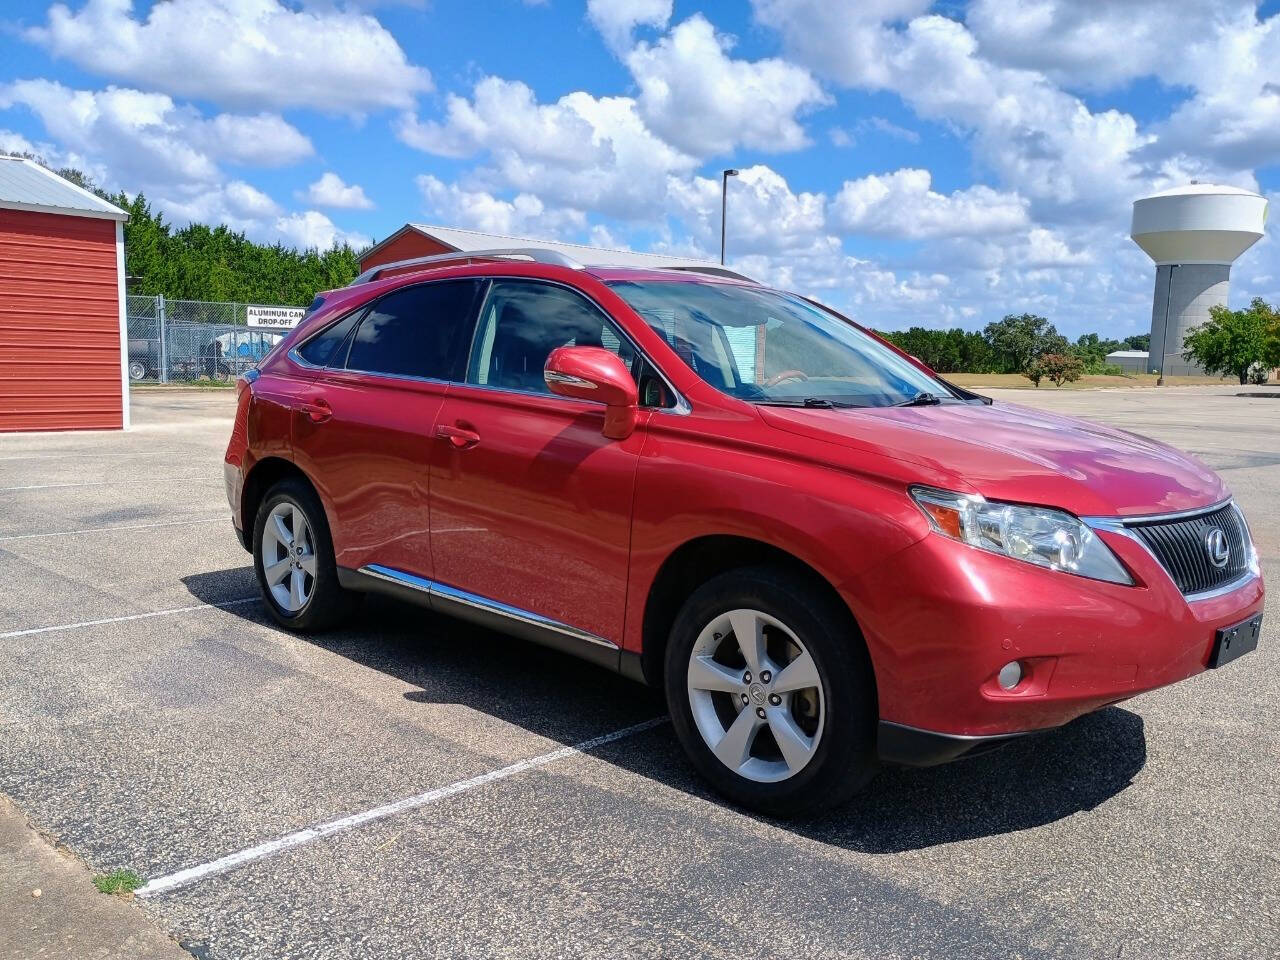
pixel 484 612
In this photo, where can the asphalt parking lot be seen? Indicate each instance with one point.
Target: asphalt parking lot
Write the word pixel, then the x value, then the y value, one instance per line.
pixel 151 718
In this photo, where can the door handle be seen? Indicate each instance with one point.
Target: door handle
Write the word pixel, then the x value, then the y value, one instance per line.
pixel 317 410
pixel 461 438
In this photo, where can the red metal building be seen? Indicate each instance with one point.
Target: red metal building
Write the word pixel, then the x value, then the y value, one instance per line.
pixel 63 339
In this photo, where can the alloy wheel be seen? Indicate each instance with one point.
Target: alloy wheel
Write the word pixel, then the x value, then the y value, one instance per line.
pixel 756 695
pixel 288 557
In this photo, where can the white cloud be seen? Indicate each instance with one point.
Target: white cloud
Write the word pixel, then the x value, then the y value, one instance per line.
pixel 699 99
pixel 903 205
pixel 312 229
pixel 581 151
pixel 145 139
pixel 262 53
pixel 331 191
pixel 617 19
pixel 881 125
pixel 523 215
pixel 1099 44
pixel 264 140
pixel 765 216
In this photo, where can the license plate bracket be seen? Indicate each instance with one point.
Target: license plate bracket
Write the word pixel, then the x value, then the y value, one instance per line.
pixel 1231 643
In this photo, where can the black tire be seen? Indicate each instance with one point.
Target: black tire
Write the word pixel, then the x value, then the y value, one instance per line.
pixel 844 759
pixel 328 603
pixel 137 370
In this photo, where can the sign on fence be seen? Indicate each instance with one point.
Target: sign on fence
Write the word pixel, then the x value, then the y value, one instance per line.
pixel 273 318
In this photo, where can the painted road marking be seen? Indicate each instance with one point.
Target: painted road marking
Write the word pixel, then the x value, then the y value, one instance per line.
pixel 132 616
pixel 130 526
pixel 192 874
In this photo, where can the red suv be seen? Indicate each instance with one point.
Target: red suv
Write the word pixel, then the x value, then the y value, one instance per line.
pixel 825 554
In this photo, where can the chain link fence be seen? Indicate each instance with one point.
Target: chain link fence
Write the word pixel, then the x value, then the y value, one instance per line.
pixel 184 341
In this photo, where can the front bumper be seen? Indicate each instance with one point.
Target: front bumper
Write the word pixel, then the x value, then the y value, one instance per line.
pixel 941 618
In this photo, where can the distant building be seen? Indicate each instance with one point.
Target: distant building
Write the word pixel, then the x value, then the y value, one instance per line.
pixel 1130 361
pixel 424 240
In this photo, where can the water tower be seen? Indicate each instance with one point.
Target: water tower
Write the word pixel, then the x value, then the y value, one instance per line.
pixel 1194 234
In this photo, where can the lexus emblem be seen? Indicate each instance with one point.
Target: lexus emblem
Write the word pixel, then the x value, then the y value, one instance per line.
pixel 1215 542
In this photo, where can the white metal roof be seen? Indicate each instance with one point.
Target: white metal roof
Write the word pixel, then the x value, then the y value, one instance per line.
pixel 1131 354
pixel 25 185
pixel 461 239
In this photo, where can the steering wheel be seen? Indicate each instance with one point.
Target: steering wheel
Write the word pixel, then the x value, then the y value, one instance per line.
pixel 777 378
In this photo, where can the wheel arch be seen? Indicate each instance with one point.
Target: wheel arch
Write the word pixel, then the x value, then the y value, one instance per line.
pixel 264 475
pixel 695 562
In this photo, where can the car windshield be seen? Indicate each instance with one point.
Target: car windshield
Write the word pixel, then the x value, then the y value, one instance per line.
pixel 774 348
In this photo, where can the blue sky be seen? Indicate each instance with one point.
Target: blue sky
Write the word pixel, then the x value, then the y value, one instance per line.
pixel 911 162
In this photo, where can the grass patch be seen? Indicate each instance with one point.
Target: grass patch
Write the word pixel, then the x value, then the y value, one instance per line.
pixel 117 881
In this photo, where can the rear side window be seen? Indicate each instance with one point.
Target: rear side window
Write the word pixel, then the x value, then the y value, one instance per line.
pixel 419 331
pixel 319 350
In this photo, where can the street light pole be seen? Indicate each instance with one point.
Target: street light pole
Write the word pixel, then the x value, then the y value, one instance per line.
pixel 724 201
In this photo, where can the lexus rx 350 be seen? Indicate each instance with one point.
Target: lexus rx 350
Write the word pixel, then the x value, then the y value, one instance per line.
pixel 826 555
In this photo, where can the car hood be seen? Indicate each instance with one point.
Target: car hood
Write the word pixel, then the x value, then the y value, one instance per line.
pixel 1010 452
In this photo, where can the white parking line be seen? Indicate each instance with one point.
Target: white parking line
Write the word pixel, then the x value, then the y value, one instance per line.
pixel 123 526
pixel 132 616
pixel 106 483
pixel 231 861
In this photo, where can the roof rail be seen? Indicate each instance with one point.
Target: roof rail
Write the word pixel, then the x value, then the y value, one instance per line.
pixel 710 270
pixel 533 254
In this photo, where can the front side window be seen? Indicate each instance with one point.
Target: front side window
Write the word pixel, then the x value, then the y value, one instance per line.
pixel 418 331
pixel 522 322
pixel 774 348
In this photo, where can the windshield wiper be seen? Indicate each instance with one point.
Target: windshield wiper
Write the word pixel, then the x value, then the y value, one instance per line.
pixel 815 403
pixel 921 399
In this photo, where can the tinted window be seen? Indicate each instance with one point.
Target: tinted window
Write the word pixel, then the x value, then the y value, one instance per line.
pixel 774 348
pixel 416 332
pixel 523 322
pixel 319 349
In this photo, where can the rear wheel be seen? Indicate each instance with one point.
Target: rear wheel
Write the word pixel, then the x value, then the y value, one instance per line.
pixel 137 370
pixel 293 557
pixel 771 692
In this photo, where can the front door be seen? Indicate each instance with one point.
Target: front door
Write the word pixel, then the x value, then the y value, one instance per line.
pixel 530 503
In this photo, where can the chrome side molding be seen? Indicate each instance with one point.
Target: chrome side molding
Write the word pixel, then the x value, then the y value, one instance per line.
pixel 484 611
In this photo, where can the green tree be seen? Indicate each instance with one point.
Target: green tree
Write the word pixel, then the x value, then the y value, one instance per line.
pixel 1139 341
pixel 1092 351
pixel 1232 341
pixel 1060 367
pixel 200 262
pixel 1019 340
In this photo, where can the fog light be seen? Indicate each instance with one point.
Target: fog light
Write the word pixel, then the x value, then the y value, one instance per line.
pixel 1010 675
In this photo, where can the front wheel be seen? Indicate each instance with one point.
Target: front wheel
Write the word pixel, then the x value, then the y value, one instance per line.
pixel 771 692
pixel 293 557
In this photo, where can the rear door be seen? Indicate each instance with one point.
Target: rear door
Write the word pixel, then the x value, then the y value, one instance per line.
pixel 365 428
pixel 530 503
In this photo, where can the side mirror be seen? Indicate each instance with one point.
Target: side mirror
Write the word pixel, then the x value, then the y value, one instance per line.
pixel 593 373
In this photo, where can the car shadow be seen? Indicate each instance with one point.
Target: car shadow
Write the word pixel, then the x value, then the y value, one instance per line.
pixel 1028 783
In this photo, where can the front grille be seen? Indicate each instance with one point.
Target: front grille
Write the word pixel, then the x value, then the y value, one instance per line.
pixel 1180 546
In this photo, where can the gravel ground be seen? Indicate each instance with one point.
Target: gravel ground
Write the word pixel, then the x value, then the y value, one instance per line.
pixel 165 742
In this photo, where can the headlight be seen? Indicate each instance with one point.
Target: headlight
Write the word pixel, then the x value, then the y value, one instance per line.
pixel 1039 535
